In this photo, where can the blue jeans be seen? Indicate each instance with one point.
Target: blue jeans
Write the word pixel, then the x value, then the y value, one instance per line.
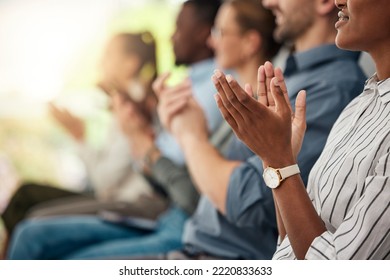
pixel 88 237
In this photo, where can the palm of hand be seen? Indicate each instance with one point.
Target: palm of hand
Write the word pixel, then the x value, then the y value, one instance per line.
pixel 297 128
pixel 273 130
pixel 268 125
pixel 265 75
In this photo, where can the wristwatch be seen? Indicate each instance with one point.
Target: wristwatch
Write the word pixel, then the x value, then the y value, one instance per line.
pixel 273 177
pixel 148 159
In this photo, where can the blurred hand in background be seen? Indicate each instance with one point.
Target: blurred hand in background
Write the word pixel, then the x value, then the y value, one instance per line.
pixel 72 124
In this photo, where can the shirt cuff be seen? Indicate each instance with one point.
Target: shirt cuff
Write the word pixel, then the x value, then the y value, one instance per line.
pixel 322 248
pixel 284 250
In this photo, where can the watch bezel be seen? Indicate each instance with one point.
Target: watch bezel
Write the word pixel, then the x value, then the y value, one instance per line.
pixel 269 180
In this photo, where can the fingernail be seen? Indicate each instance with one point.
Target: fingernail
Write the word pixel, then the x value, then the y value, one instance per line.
pixel 229 78
pixel 218 73
pixel 214 79
pixel 216 97
pixel 276 82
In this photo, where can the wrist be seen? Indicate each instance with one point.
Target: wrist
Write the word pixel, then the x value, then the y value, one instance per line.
pixel 146 162
pixel 140 145
pixel 190 139
pixel 273 177
pixel 151 157
pixel 280 161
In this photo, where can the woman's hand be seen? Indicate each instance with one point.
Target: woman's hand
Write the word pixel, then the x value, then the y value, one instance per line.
pixel 268 125
pixel 171 99
pixel 129 117
pixel 73 125
pixel 139 132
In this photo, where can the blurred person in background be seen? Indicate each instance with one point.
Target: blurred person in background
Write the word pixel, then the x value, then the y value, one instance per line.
pixel 191 49
pixel 157 156
pixel 243 39
pixel 129 67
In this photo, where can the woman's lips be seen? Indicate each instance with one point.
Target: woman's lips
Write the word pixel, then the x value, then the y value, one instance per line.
pixel 343 19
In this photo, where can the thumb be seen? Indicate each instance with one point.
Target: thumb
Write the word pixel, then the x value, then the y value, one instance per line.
pixel 300 108
pixel 249 90
pixel 159 84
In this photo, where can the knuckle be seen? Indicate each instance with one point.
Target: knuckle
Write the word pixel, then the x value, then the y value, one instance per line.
pixel 241 130
pixel 243 98
pixel 227 118
pixel 228 105
pixel 231 98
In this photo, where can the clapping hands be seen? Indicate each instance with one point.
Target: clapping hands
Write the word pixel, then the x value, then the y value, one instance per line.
pixel 264 120
pixel 179 112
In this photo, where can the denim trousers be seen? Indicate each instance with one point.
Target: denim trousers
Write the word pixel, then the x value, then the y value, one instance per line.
pixel 89 237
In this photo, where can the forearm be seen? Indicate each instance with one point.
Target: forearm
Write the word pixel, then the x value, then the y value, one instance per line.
pixel 279 221
pixel 176 182
pixel 300 220
pixel 209 169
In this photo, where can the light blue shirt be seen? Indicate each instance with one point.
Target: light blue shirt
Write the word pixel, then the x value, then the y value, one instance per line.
pixel 203 91
pixel 332 78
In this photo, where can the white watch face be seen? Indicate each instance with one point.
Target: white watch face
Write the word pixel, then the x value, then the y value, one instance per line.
pixel 271 178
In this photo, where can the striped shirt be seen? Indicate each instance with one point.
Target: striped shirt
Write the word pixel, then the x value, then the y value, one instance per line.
pixel 350 185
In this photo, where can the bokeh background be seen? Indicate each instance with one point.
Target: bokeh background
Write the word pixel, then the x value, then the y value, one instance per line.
pixel 50 52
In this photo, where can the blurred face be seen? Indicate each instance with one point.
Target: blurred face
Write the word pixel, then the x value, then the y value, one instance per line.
pixel 227 39
pixel 293 18
pixel 185 40
pixel 111 59
pixel 363 24
pixel 118 67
